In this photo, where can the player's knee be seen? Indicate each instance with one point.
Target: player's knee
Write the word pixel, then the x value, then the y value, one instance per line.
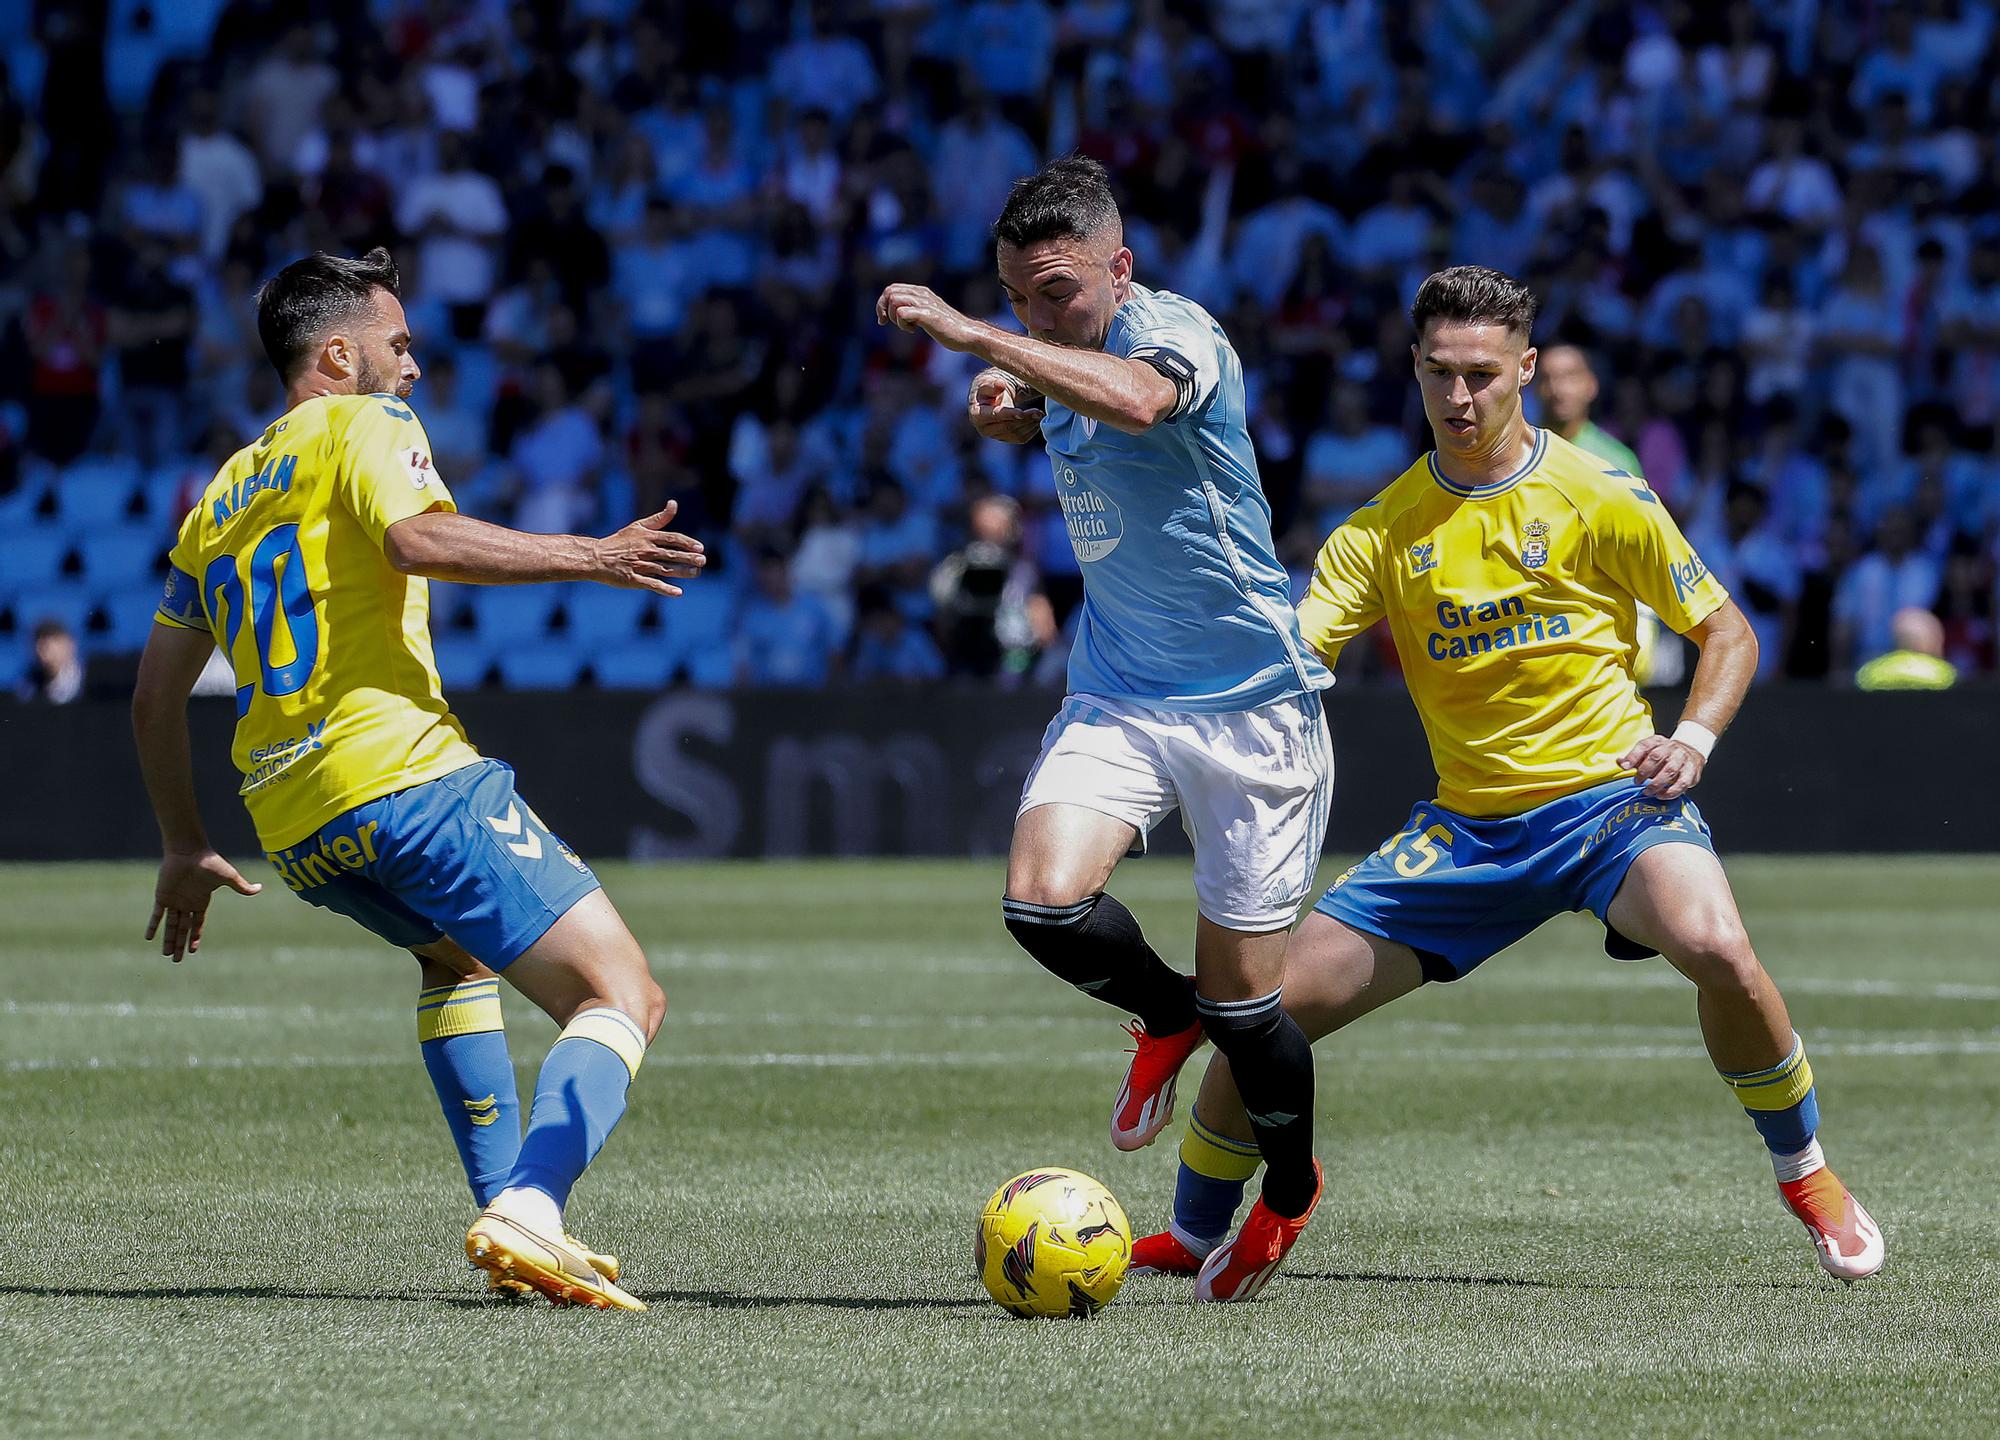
pixel 1049 885
pixel 1243 1027
pixel 652 1003
pixel 1715 953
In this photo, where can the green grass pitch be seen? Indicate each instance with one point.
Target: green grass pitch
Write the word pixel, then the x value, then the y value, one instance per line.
pixel 228 1205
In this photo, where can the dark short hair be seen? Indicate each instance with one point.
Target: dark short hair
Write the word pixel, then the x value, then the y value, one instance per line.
pixel 298 307
pixel 1474 295
pixel 1068 198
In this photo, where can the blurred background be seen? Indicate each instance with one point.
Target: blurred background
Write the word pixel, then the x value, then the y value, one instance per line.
pixel 640 243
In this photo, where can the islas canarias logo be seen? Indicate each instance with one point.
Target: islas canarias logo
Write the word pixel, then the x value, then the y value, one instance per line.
pixel 1093 519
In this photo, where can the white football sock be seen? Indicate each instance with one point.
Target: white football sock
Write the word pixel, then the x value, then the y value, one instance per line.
pixel 1798 1164
pixel 532 1209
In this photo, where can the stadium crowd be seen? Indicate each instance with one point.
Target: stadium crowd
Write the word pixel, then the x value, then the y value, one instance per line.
pixel 640 243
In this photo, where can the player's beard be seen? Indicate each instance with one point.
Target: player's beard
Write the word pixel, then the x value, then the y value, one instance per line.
pixel 370 381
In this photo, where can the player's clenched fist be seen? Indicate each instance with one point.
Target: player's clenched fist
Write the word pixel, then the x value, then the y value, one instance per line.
pixel 645 555
pixel 1001 408
pixel 915 307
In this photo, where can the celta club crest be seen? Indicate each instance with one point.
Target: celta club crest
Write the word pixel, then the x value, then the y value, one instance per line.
pixel 1535 544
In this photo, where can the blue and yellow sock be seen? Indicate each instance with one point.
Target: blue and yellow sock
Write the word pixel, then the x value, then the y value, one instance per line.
pixel 1214 1171
pixel 1780 1101
pixel 579 1099
pixel 464 1045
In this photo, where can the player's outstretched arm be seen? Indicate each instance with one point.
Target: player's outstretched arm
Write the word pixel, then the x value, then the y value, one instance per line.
pixel 444 545
pixel 1127 395
pixel 1672 765
pixel 190 870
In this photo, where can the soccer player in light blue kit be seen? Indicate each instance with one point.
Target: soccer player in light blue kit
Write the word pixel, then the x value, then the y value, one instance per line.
pixel 1189 685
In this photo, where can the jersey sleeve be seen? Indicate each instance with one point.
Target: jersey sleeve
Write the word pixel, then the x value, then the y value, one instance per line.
pixel 1639 547
pixel 384 467
pixel 1345 596
pixel 180 600
pixel 1186 354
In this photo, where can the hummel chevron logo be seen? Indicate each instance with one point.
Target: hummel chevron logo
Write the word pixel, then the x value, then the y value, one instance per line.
pixel 529 846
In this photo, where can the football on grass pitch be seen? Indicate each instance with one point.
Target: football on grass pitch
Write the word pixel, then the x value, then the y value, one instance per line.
pixel 1052 1242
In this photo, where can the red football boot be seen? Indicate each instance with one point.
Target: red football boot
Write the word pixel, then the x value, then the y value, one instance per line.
pixel 1243 1264
pixel 1849 1244
pixel 1145 1101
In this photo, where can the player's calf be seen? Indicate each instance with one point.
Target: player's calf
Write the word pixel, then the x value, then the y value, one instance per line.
pixel 1271 1060
pixel 1095 944
pixel 590 974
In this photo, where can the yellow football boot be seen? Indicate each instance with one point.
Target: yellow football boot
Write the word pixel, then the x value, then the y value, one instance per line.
pixel 560 1268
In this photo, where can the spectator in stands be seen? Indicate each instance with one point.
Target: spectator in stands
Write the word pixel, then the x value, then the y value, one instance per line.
pixel 784 637
pixel 219 169
pixel 457 216
pixel 66 330
pixel 55 675
pixel 828 555
pixel 1893 576
pixel 991 613
pixel 283 96
pixel 558 459
pixel 1917 662
pixel 1777 225
pixel 889 647
pixel 1352 460
pixel 152 328
pixel 898 546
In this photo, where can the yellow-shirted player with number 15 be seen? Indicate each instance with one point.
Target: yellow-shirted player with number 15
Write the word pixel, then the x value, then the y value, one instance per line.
pixel 1509 565
pixel 306 562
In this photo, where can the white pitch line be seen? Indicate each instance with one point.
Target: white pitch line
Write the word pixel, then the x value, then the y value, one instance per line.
pixel 1987 1043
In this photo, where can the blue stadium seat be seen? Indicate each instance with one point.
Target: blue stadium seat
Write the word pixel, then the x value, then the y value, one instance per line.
pixel 478 378
pixel 15 652
pixel 17 508
pixel 704 610
pixel 114 558
pixel 712 667
pixel 633 665
pixel 462 661
pixel 68 602
pixel 172 487
pixel 96 491
pixel 599 615
pixel 513 614
pixel 33 557
pixel 449 603
pixel 546 666
pixel 129 609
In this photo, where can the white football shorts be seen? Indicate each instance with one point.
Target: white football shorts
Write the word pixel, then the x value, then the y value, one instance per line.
pixel 1254 788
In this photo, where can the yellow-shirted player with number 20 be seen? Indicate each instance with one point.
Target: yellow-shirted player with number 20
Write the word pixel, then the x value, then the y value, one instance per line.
pixel 306 562
pixel 1509 565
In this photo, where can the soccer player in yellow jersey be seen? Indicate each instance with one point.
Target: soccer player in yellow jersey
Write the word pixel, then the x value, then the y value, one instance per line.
pixel 1508 563
pixel 306 561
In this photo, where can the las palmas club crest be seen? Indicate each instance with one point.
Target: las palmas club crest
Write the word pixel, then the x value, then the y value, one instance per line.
pixel 1535 544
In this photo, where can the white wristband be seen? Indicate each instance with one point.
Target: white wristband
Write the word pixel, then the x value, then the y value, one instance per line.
pixel 1698 738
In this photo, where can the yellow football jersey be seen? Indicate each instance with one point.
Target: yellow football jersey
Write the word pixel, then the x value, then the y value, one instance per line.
pixel 1513 609
pixel 338 700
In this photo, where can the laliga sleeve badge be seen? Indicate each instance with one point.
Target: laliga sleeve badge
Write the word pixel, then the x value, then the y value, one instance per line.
pixel 418 464
pixel 1535 544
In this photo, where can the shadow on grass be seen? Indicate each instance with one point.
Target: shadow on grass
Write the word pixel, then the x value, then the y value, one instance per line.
pixel 241 1292
pixel 713 1299
pixel 726 1300
pixel 1517 1282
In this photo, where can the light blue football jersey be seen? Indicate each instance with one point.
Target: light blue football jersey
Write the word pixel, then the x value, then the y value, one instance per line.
pixel 1185 605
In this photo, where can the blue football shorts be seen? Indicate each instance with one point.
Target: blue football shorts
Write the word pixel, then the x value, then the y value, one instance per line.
pixel 461 855
pixel 1458 890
